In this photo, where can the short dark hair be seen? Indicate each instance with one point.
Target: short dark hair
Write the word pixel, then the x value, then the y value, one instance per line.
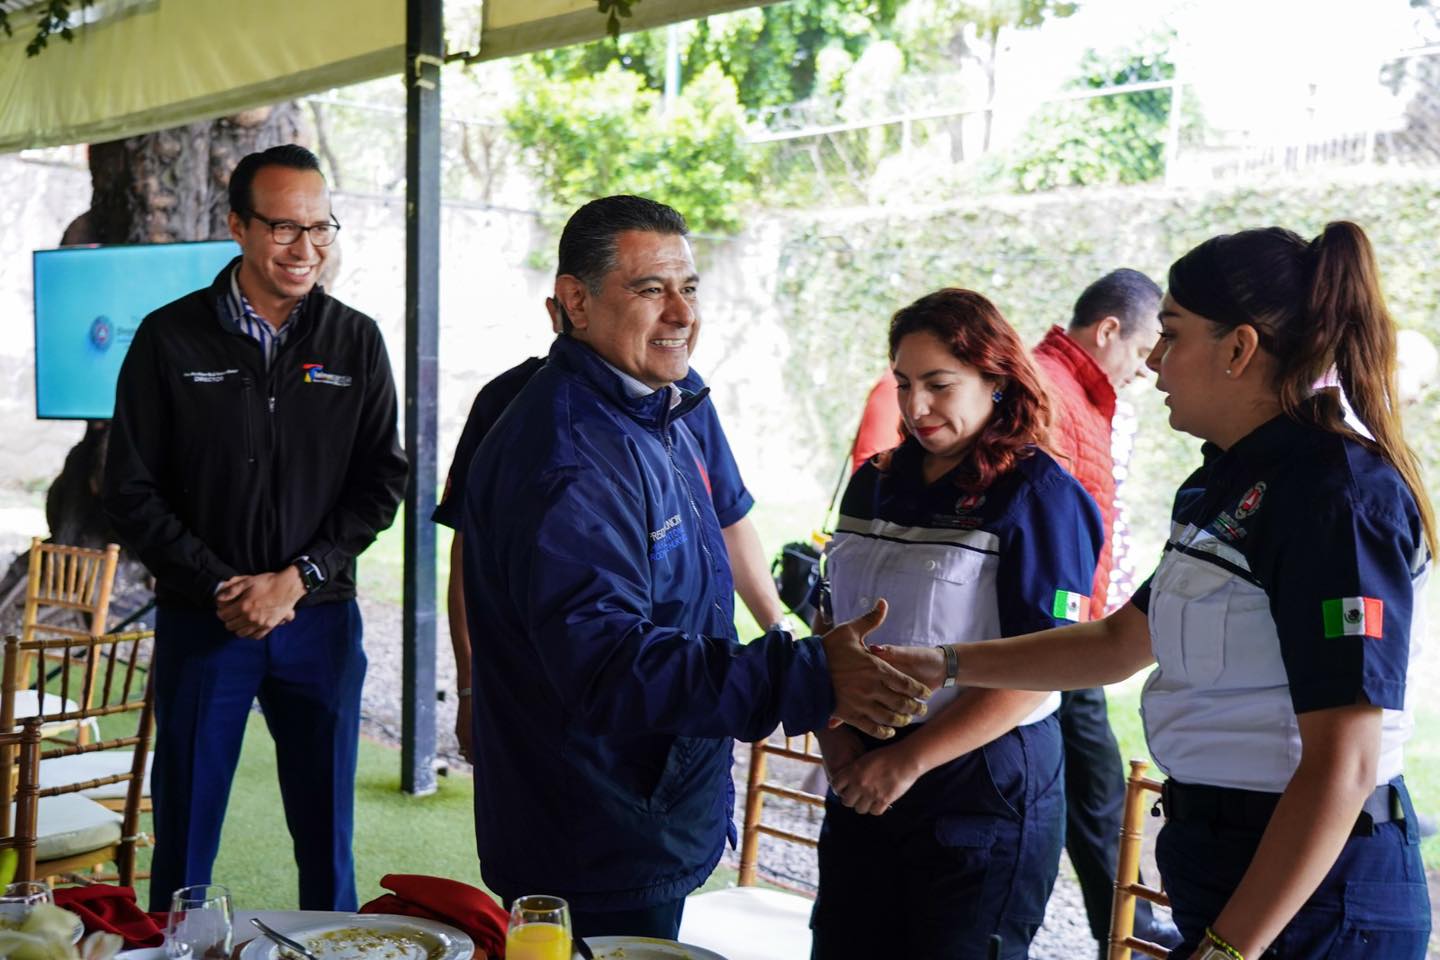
pixel 590 238
pixel 1127 295
pixel 242 180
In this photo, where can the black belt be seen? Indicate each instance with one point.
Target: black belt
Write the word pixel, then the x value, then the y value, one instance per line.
pixel 1252 809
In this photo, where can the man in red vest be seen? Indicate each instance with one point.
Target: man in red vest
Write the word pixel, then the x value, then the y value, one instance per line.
pixel 1111 332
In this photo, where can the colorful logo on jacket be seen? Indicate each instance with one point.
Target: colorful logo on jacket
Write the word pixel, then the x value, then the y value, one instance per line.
pixel 670 536
pixel 1354 617
pixel 100 333
pixel 1071 606
pixel 971 501
pixel 1251 501
pixel 315 373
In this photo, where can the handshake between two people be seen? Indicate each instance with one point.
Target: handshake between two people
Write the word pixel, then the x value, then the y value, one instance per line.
pixel 876 690
pixel 870 695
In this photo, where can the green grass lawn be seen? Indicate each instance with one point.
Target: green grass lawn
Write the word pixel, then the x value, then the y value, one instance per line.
pixel 394 832
pixel 382 565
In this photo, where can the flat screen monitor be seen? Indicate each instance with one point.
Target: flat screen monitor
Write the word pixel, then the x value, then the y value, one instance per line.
pixel 89 302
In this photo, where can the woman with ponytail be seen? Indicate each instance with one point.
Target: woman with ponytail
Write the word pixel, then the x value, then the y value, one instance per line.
pixel 969 530
pixel 1281 616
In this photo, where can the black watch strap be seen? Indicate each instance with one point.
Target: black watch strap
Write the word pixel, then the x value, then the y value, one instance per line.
pixel 311 576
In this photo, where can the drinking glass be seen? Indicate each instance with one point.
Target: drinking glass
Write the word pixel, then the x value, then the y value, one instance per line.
pixel 20 898
pixel 201 923
pixel 539 929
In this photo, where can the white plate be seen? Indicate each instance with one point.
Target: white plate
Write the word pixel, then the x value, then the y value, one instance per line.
pixel 355 937
pixel 646 948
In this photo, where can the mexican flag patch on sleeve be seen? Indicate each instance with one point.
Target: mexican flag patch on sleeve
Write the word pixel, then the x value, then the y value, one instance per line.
pixel 1354 617
pixel 1074 607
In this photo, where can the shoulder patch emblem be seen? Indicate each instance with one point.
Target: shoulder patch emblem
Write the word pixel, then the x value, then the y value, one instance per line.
pixel 1251 501
pixel 1354 617
pixel 1071 606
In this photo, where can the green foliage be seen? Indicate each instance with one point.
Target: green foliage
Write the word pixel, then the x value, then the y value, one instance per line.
pixel 53 18
pixel 394 832
pixel 770 52
pixel 613 10
pixel 939 34
pixel 1100 140
pixel 609 133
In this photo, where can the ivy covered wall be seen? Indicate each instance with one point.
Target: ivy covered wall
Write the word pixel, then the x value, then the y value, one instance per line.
pixel 842 276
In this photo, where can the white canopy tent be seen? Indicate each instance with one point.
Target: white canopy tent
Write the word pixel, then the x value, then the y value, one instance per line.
pixel 136 66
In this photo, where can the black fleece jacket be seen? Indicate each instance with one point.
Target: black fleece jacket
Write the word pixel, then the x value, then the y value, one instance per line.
pixel 217 467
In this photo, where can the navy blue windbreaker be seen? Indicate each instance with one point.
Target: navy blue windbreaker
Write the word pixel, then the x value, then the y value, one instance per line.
pixel 721 473
pixel 608 680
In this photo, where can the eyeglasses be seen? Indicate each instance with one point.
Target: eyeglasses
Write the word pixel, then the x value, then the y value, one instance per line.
pixel 286 232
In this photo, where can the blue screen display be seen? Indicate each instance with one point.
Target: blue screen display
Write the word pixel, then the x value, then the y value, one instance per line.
pixel 89 302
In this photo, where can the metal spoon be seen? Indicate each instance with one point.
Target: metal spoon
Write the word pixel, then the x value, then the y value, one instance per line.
pixel 282 940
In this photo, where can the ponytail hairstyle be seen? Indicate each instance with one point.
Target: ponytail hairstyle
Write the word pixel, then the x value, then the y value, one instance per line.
pixel 1313 306
pixel 978 336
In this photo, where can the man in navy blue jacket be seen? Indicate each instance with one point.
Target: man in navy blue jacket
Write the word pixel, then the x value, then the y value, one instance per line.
pixel 600 603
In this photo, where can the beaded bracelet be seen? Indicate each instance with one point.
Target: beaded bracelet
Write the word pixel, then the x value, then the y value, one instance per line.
pixel 1219 942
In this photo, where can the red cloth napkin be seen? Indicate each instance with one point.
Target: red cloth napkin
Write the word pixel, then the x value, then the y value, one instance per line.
pixel 434 898
pixel 113 909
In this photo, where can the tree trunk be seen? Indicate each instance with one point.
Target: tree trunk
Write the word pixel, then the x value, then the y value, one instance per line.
pixel 992 54
pixel 156 188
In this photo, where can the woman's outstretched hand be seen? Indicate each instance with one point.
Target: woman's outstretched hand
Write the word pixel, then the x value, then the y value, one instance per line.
pixel 926 664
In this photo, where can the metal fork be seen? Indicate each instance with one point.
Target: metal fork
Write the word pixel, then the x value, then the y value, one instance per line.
pixel 282 940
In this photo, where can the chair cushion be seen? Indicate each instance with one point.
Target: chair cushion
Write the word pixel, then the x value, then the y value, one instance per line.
pixel 79 767
pixel 27 705
pixel 748 923
pixel 71 824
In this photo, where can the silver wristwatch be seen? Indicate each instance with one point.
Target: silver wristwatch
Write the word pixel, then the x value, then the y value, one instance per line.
pixel 952 664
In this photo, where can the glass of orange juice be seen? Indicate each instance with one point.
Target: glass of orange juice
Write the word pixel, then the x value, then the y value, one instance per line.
pixel 539 929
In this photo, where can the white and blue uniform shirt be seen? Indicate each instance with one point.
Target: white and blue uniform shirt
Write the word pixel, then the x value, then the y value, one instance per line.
pixel 1287 585
pixel 958 567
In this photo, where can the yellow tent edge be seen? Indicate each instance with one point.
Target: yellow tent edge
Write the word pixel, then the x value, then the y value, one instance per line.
pixel 378 63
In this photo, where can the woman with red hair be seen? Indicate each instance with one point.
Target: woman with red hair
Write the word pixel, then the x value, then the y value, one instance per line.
pixel 969 530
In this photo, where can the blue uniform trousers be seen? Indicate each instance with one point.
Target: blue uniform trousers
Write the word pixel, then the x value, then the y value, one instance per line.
pixel 1372 904
pixel 970 851
pixel 307 675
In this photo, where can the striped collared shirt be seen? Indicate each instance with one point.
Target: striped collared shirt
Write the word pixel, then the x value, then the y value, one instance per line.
pixel 255 326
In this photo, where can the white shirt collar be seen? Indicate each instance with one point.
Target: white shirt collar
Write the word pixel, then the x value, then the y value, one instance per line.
pixel 634 389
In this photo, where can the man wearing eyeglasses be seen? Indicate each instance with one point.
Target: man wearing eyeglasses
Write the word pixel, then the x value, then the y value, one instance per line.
pixel 253 456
